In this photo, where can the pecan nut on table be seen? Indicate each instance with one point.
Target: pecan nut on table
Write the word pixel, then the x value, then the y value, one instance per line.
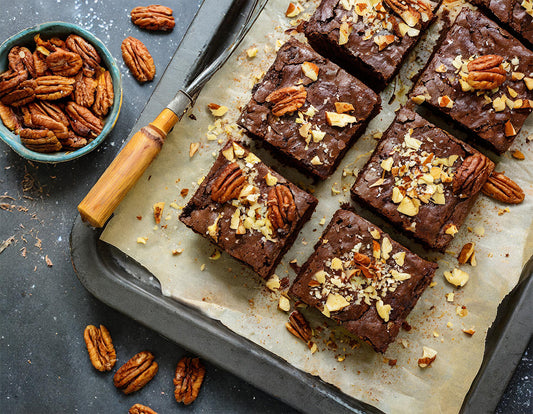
pixel 136 373
pixel 154 17
pixel 188 379
pixel 51 97
pixel 100 347
pixel 141 409
pixel 138 60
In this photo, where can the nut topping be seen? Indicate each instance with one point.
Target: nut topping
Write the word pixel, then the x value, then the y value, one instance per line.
pixel 411 11
pixel 472 174
pixel 64 63
pixel 154 17
pixel 136 373
pixel 188 380
pixel 486 72
pixel 287 100
pixel 140 409
pixel 281 207
pixel 138 59
pixel 299 327
pixel 502 188
pixel 100 347
pixel 228 184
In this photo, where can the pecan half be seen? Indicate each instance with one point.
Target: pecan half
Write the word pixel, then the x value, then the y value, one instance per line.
pixel 140 409
pixel 10 80
pixel 502 188
pixel 486 72
pixel 104 94
pixel 39 140
pixel 20 58
pixel 64 63
pixel 73 142
pixel 154 17
pixel 188 380
pixel 40 120
pixel 39 62
pixel 281 209
pixel 9 118
pixel 21 95
pixel 287 100
pixel 136 373
pixel 138 59
pixel 83 121
pixel 228 184
pixel 50 109
pixel 100 347
pixel 84 90
pixel 90 57
pixel 411 11
pixel 299 327
pixel 50 88
pixel 472 174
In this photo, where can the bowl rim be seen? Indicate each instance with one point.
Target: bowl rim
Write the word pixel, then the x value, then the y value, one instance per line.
pixel 13 140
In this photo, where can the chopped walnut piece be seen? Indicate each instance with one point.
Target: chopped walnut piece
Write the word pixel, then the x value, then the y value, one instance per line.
pixel 344 32
pixel 428 356
pixel 193 148
pixel 339 120
pixel 470 331
pixel 467 254
pixel 518 155
pixel 284 304
pixel 293 10
pixel 273 283
pixel 457 277
pixel 217 110
pixel 342 107
pixel 310 70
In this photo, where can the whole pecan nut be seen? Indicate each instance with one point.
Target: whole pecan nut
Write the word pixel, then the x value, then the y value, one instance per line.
pixel 39 140
pixel 84 90
pixel 299 327
pixel 90 57
pixel 64 63
pixel 154 17
pixel 472 174
pixel 502 188
pixel 21 95
pixel 411 11
pixel 136 373
pixel 20 58
pixel 281 209
pixel 188 379
pixel 53 87
pixel 140 409
pixel 486 72
pixel 287 100
pixel 228 184
pixel 83 121
pixel 100 347
pixel 138 59
pixel 8 117
pixel 104 94
pixel 10 80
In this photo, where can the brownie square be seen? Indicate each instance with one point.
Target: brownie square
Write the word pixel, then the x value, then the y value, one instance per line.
pixel 516 16
pixel 361 277
pixel 248 210
pixel 368 39
pixel 422 180
pixel 475 49
pixel 307 135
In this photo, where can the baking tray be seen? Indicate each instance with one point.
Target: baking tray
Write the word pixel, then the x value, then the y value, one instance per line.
pixel 122 283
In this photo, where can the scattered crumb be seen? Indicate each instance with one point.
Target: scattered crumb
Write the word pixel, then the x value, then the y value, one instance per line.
pixel 48 261
pixel 518 155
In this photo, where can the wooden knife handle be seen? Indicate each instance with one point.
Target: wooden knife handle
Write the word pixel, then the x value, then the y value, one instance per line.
pixel 125 170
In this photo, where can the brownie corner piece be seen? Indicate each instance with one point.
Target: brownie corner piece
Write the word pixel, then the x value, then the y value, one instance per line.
pixel 480 78
pixel 248 210
pixel 359 276
pixel 422 180
pixel 307 110
pixel 371 40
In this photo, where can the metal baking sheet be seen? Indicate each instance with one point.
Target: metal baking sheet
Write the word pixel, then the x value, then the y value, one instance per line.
pixel 123 284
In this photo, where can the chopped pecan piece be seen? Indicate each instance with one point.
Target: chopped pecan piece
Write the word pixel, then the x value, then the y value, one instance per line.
pixel 472 174
pixel 138 59
pixel 39 140
pixel 411 11
pixel 299 327
pixel 188 379
pixel 100 347
pixel 154 17
pixel 486 72
pixel 502 188
pixel 467 254
pixel 136 373
pixel 21 95
pixel 281 207
pixel 8 117
pixel 51 88
pixel 140 409
pixel 20 59
pixel 90 57
pixel 10 80
pixel 287 100
pixel 104 94
pixel 83 121
pixel 84 90
pixel 228 184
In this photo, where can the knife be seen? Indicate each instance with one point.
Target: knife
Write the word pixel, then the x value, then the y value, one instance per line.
pixel 131 162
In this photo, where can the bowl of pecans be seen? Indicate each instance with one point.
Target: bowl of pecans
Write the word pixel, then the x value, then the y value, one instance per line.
pixel 60 92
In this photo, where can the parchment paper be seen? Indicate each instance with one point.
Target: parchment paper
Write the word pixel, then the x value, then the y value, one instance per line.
pixel 231 293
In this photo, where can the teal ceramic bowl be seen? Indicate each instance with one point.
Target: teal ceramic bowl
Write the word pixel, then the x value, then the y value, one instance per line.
pixel 62 30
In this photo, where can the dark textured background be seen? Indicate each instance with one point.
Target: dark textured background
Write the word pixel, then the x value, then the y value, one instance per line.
pixel 43 360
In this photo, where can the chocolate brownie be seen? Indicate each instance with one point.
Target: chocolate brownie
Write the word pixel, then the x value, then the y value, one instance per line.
pixel 422 179
pixel 361 277
pixel 329 109
pixel 481 78
pixel 516 16
pixel 369 39
pixel 248 210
